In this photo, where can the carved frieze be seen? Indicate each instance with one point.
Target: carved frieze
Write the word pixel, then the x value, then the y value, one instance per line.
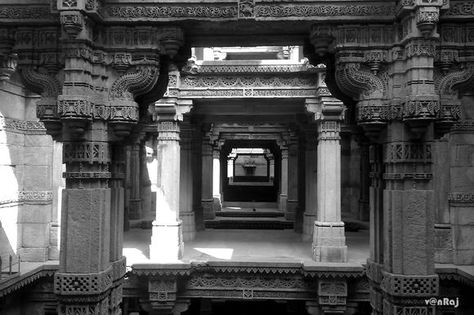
pixel 460 8
pixel 23 126
pixel 461 198
pixel 172 11
pixel 319 10
pixel 29 12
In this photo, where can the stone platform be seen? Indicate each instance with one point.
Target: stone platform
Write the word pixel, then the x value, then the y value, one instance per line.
pixel 246 245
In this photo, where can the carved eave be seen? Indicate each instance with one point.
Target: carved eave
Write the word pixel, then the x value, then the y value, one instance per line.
pixel 16 282
pixel 250 268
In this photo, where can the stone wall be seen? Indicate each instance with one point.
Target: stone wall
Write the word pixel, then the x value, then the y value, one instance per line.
pixel 30 171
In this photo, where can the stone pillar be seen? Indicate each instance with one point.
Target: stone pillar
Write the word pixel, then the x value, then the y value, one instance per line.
pixel 166 239
pixel 292 174
pixel 197 179
pixel 282 201
pixel 207 169
pixel 148 179
pixel 311 172
pixel 186 212
pixel 364 212
pixel 134 206
pixel 408 220
pixel 216 180
pixel 329 242
pixel 91 264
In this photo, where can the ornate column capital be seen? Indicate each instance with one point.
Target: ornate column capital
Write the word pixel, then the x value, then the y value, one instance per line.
pixel 170 108
pixel 327 108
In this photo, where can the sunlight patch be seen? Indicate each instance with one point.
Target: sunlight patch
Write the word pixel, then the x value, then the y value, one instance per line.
pixel 219 253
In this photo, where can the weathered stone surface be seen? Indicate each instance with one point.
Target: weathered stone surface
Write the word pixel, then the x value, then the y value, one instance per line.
pixel 36 177
pixel 34 235
pixel 35 213
pixel 87 222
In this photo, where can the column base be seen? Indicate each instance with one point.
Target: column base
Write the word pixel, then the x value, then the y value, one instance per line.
pixel 308 226
pixel 282 200
pixel 166 242
pixel 208 209
pixel 291 207
pixel 188 226
pixel 329 242
pixel 216 203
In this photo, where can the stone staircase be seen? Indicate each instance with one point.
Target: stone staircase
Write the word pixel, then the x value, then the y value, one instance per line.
pixel 249 215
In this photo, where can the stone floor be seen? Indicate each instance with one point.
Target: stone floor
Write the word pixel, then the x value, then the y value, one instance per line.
pixel 245 245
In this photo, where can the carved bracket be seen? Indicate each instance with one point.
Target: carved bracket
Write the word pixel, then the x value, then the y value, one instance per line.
pixel 355 81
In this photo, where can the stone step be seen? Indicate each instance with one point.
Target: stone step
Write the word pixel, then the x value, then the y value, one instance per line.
pixel 250 204
pixel 249 214
pixel 248 223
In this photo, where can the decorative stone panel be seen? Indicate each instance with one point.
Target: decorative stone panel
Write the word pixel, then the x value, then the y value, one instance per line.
pixel 332 292
pixel 410 285
pixel 83 284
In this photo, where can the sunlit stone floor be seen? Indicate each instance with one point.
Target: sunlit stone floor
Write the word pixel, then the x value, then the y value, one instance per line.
pixel 245 245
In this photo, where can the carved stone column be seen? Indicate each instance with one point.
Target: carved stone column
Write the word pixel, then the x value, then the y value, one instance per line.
pixel 216 179
pixel 292 202
pixel 364 212
pixel 282 200
pixel 311 160
pixel 197 178
pixel 187 172
pixel 166 240
pixel 134 207
pixel 207 176
pixel 329 242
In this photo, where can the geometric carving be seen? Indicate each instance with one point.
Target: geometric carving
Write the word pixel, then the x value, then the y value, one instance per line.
pixel 90 152
pixel 407 152
pixel 82 284
pixel 413 310
pixel 410 285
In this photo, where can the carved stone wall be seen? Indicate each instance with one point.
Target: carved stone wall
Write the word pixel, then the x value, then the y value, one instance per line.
pixel 30 163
